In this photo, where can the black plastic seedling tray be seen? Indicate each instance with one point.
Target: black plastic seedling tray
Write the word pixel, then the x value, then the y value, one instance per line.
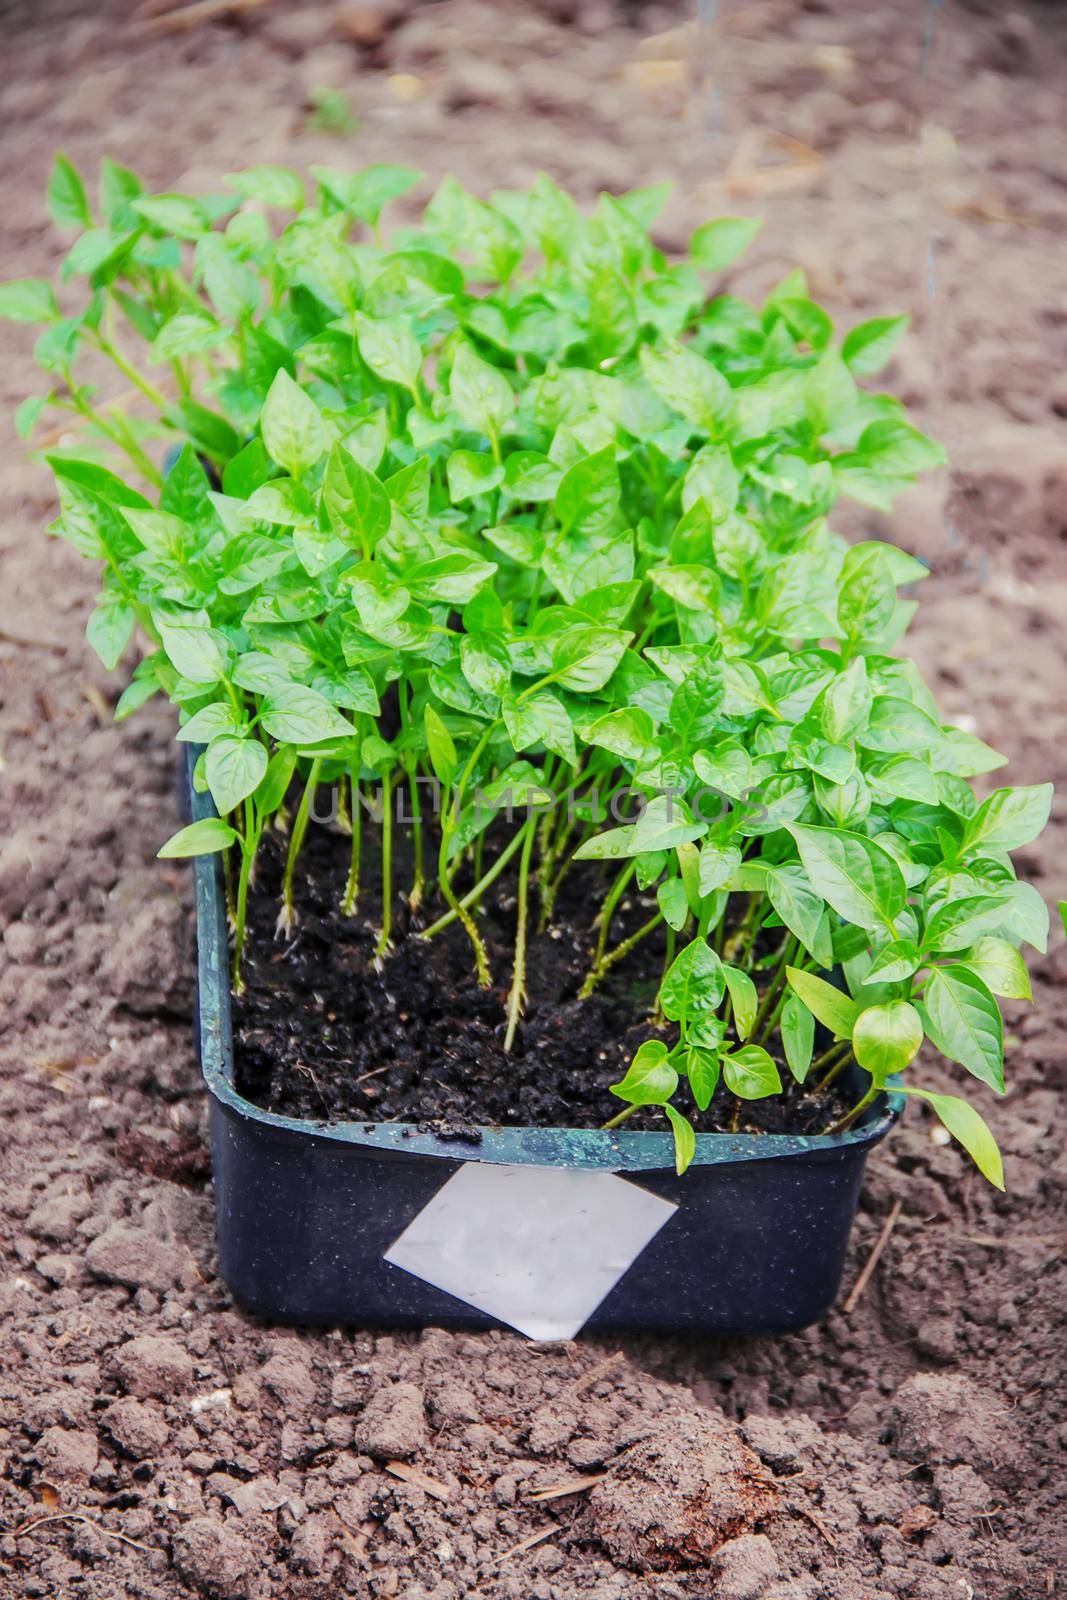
pixel 307 1210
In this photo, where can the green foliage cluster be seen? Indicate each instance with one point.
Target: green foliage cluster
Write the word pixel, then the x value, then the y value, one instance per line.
pixel 511 502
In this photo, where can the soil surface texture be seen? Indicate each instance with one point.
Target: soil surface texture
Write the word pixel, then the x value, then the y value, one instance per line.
pixel 157 1444
pixel 326 1030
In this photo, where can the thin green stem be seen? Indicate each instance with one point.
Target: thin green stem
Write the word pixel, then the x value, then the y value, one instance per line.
pixel 484 882
pixel 137 378
pixel 618 954
pixel 774 996
pixel 834 1061
pixel 611 901
pixel 419 881
pixel 846 1122
pixel 227 879
pixel 444 878
pixel 350 899
pixel 386 932
pixel 287 915
pixel 249 846
pixel 518 981
pixel 621 1117
pixel 738 945
pixel 128 446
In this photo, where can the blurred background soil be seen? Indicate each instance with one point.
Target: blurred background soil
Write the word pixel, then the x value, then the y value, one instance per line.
pixel 155 1442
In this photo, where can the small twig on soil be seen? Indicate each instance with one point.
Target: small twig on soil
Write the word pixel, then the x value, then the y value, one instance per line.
pixel 819 1526
pixel 420 1480
pixel 527 1544
pixel 79 1516
pixel 556 1491
pixel 1014 1241
pixel 190 16
pixel 599 1369
pixel 872 1260
pixel 375 1072
pixel 104 713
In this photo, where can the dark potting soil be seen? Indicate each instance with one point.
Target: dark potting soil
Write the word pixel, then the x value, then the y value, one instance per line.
pixel 324 1031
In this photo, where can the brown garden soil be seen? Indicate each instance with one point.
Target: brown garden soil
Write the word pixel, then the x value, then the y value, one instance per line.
pixel 157 1443
pixel 324 1029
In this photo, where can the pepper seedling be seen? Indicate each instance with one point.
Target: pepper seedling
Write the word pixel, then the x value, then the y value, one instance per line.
pixel 509 504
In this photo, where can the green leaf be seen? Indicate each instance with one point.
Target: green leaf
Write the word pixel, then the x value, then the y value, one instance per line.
pixel 963 1020
pixel 886 1038
pixel 958 923
pixel 189 333
pixel 716 864
pixel 359 508
pixel 694 983
pixel 798 1036
pixel 801 909
pixel 687 383
pixel 234 767
pixel 173 213
pixel 868 347
pixel 390 349
pixel 67 204
pixel 650 1079
pixel 1000 967
pixel 234 287
pixel 685 1142
pixel 220 716
pixel 28 300
pixel 292 426
pixel 118 186
pixel 27 413
pixel 108 630
pixel 442 749
pixel 249 469
pixel 276 780
pixel 199 653
pixel 867 596
pixel 614 845
pixel 846 703
pixel 696 705
pixel 540 719
pixel 664 824
pixel 589 493
pixel 718 244
pixel 702 1070
pixel 894 962
pixel 472 473
pixel 712 478
pixel 965 1125
pixel 750 1073
pixel 833 1009
pixel 366 193
pixel 1009 819
pixel 628 733
pixel 806 321
pixel 672 901
pixel 203 838
pixel 893 446
pixel 859 879
pixel 830 396
pixel 270 185
pixel 745 1000
pixel 300 716
pixel 584 658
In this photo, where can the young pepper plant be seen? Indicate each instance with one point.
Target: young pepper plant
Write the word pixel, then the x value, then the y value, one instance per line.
pixel 506 506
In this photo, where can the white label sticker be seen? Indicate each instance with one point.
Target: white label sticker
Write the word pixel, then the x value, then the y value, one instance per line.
pixel 535 1247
